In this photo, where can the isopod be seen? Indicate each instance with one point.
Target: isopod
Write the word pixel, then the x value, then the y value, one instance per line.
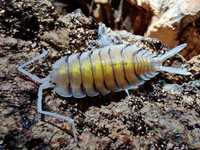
pixel 100 71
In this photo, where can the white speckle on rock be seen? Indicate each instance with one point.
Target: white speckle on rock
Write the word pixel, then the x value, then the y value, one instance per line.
pixel 173 89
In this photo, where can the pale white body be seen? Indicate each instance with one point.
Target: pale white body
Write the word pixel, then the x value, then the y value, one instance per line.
pixel 50 80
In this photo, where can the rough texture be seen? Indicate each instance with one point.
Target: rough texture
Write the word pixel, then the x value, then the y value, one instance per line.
pixel 171 21
pixel 162 114
pixel 175 21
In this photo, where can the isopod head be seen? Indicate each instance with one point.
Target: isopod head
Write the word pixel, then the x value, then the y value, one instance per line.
pixel 59 77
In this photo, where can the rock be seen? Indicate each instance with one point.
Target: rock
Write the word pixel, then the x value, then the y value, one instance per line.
pixel 25 19
pixel 74 35
pixel 175 21
pixel 173 89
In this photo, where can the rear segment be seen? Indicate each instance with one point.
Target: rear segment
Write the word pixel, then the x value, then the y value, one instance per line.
pixel 137 66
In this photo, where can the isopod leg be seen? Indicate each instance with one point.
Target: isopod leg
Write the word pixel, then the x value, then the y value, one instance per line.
pixel 103 38
pixel 32 76
pixel 127 92
pixel 42 87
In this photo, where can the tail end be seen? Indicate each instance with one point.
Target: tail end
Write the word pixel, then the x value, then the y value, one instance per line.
pixel 171 52
pixel 159 60
pixel 180 71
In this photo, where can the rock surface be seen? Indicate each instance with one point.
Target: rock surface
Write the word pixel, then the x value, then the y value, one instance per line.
pixel 175 21
pixel 171 21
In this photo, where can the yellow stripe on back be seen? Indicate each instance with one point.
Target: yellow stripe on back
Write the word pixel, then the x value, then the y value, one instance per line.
pixel 87 75
pixel 75 76
pixel 117 63
pixel 107 69
pixel 98 72
pixel 130 64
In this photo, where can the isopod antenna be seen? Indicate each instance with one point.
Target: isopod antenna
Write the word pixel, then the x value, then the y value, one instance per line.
pixel 45 84
pixel 33 77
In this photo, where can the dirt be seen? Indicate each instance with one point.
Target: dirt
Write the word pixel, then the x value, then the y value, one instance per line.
pixel 164 113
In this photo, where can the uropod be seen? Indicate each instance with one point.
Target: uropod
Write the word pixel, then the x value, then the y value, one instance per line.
pixel 100 71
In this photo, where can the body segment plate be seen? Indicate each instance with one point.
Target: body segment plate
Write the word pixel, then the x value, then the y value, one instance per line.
pixel 87 74
pixel 130 65
pixel 118 68
pixel 108 73
pixel 75 76
pixel 98 72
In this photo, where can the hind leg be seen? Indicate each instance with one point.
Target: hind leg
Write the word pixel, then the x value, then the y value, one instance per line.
pixel 127 92
pixel 32 76
pixel 42 87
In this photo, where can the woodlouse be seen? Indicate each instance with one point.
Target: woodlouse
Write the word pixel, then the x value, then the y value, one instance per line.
pixel 111 68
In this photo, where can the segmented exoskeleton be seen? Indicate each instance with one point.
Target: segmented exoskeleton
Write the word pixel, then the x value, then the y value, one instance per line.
pixel 111 68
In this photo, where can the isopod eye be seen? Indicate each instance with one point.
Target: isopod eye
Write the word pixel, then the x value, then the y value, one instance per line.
pixel 158 45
